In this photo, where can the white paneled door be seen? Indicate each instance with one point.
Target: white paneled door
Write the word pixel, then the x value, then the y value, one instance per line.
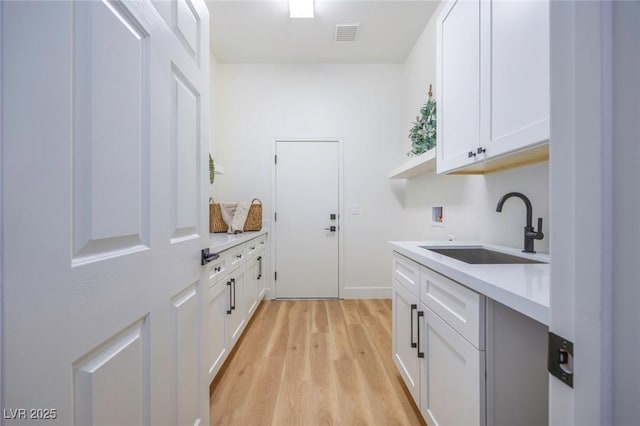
pixel 307 193
pixel 104 143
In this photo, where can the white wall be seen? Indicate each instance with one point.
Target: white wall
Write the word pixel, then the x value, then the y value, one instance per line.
pixel 359 103
pixel 371 107
pixel 213 70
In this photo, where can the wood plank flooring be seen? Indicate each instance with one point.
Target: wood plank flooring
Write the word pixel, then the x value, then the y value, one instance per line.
pixel 314 362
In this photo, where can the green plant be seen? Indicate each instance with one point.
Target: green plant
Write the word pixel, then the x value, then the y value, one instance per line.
pixel 423 132
pixel 212 169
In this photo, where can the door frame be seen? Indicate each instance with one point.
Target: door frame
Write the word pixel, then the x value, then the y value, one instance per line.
pixel 581 179
pixel 1 230
pixel 271 292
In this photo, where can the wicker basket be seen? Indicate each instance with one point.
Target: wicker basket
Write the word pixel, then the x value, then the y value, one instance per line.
pixel 216 223
pixel 253 222
pixel 254 218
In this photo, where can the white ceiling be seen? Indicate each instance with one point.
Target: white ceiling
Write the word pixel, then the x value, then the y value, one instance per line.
pixel 262 32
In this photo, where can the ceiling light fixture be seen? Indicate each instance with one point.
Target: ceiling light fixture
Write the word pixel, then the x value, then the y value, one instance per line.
pixel 301 8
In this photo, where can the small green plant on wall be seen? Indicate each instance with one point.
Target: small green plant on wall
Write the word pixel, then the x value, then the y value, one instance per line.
pixel 212 170
pixel 423 132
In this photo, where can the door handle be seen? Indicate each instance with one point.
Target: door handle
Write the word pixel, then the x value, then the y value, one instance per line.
pixel 230 303
pixel 420 315
pixel 331 228
pixel 414 307
pixel 206 257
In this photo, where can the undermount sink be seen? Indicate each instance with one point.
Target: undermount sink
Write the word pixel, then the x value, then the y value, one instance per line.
pixel 480 256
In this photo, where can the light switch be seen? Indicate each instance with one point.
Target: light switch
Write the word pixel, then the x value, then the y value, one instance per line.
pixel 355 208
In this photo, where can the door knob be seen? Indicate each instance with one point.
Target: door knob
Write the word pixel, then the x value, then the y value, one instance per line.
pixel 331 228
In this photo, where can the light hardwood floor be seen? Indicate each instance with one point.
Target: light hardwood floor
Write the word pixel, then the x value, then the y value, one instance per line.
pixel 314 362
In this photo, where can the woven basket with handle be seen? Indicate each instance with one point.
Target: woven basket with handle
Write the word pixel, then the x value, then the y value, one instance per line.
pixel 254 218
pixel 216 223
pixel 253 222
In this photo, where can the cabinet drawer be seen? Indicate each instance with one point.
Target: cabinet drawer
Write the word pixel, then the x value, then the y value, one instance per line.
pixel 256 245
pixel 261 242
pixel 461 308
pixel 236 256
pixel 406 271
pixel 218 268
pixel 252 247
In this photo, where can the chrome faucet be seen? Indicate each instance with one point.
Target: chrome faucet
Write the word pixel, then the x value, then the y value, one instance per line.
pixel 529 233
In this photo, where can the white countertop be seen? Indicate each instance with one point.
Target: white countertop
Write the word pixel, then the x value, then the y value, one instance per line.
pixel 222 241
pixel 522 287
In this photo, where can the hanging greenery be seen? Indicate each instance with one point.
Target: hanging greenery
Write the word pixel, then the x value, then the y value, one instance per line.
pixel 423 132
pixel 212 169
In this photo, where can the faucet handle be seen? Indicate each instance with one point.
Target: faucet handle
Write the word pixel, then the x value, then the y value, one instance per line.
pixel 539 234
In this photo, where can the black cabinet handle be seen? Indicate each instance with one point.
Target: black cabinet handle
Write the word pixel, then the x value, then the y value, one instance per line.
pixel 229 285
pixel 233 306
pixel 420 315
pixel 413 308
pixel 471 154
pixel 259 267
pixel 481 150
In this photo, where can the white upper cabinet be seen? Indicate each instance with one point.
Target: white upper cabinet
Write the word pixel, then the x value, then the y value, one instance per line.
pixel 515 75
pixel 458 77
pixel 494 78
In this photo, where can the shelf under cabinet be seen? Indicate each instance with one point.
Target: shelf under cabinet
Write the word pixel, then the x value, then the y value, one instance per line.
pixel 419 165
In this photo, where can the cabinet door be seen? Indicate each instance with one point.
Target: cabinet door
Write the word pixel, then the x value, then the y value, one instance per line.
pixel 237 317
pixel 458 76
pixel 218 336
pixel 454 375
pixel 261 286
pixel 515 75
pixel 251 286
pixel 405 356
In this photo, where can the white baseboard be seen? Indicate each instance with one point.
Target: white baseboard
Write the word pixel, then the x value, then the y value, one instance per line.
pixel 365 293
pixel 353 293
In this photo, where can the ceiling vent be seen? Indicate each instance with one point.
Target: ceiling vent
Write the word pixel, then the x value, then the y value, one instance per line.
pixel 347 32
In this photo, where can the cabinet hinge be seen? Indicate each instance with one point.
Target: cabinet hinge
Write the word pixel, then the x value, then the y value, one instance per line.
pixel 275 276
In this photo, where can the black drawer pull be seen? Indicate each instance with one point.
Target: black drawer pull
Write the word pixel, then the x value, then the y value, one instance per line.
pixel 413 308
pixel 420 315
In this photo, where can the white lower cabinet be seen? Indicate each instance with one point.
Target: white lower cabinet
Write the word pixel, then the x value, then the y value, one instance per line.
pixel 254 281
pixel 261 280
pixel 235 290
pixel 466 359
pixel 443 371
pixel 237 317
pixel 452 374
pixel 218 336
pixel 404 325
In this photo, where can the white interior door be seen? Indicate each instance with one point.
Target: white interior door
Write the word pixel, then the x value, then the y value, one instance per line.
pixel 306 195
pixel 105 133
